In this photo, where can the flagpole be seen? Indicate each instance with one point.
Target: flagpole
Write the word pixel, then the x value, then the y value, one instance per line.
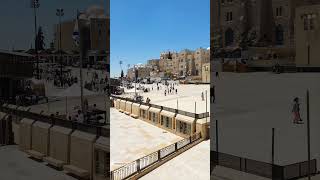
pixel 81 61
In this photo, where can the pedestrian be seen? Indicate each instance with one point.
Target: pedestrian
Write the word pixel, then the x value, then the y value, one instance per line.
pixel 217 74
pixel 212 94
pixel 296 111
pixel 176 91
pixel 165 92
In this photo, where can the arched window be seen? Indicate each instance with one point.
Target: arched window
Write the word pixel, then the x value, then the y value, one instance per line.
pixel 279 35
pixel 229 36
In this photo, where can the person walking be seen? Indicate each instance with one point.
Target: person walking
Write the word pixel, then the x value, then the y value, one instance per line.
pixel 296 111
pixel 212 94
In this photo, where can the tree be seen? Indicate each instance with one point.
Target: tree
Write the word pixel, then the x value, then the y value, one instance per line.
pixel 40 44
pixel 122 74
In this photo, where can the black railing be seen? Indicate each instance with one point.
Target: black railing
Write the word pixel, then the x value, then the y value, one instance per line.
pixel 136 166
pixel 23 112
pixel 263 169
pixel 185 113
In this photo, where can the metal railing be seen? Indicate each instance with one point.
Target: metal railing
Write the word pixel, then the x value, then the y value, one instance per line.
pixel 185 113
pixel 263 169
pixel 136 166
pixel 23 112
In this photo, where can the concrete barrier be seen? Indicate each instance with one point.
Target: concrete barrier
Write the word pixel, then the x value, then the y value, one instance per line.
pixel 144 112
pixel 128 108
pixel 102 158
pixel 40 140
pixel 25 139
pixel 122 106
pixel 135 110
pixel 185 125
pixel 117 104
pixel 59 146
pixel 81 154
pixel 154 116
pixel 16 131
pixel 202 126
pixel 171 118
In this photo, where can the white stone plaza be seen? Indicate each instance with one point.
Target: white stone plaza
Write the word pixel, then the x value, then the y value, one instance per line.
pixel 16 165
pixel 188 96
pixel 132 139
pixel 249 105
pixel 192 164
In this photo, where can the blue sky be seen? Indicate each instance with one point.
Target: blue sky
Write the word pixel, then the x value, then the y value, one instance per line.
pixel 17 29
pixel 141 29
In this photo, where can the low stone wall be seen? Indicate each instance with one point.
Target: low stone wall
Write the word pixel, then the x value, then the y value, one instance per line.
pixel 60 143
pixel 40 137
pixel 25 134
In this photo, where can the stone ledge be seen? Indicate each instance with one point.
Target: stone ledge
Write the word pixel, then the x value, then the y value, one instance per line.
pixel 35 154
pixel 84 174
pixel 54 162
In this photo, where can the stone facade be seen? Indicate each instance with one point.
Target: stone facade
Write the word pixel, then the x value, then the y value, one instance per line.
pixel 306 35
pixel 272 21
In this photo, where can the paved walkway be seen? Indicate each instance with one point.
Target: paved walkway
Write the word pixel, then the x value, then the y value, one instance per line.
pixel 131 139
pixel 192 164
pixel 15 165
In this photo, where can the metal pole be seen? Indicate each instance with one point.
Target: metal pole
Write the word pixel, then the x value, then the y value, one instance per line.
pixel 60 45
pixel 206 106
pixel 35 39
pixel 308 53
pixel 177 105
pixel 81 61
pixel 308 131
pixel 217 143
pixel 272 160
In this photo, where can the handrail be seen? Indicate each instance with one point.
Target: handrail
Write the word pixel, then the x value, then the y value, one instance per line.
pixel 25 113
pixel 136 166
pixel 185 113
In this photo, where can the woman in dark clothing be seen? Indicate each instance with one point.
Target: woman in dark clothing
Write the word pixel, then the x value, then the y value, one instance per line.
pixel 296 111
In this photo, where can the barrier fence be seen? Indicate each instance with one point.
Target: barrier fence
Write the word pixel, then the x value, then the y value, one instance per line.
pixel 54 120
pixel 263 169
pixel 136 166
pixel 189 114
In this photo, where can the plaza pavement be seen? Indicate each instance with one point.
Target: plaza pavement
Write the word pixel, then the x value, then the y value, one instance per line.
pixel 132 139
pixel 187 96
pixel 249 105
pixel 192 164
pixel 15 165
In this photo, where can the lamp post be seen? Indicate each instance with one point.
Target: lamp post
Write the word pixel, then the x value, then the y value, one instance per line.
pixel 35 5
pixel 60 13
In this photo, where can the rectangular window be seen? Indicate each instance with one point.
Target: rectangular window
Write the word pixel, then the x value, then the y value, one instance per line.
pixel 305 23
pixel 311 24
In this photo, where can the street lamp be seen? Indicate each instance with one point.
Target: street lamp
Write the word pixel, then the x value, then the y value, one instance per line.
pixel 60 13
pixel 35 5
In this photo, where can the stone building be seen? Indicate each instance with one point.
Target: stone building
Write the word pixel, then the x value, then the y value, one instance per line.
pixel 307 32
pixel 269 22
